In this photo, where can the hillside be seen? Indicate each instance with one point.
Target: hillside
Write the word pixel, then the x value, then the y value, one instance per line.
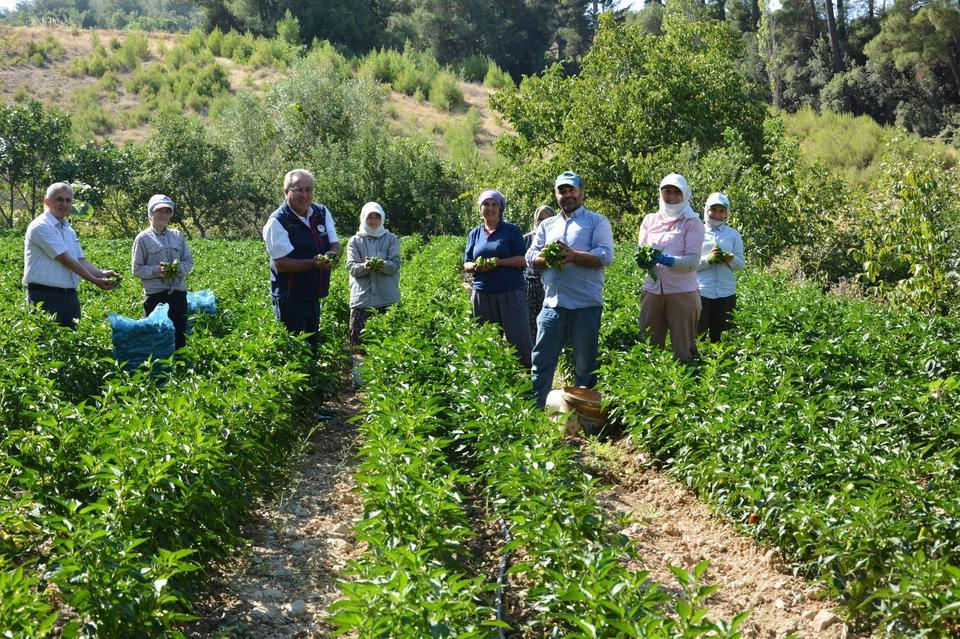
pixel 38 63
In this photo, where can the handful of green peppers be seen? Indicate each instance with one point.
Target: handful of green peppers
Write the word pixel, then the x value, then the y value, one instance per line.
pixel 170 270
pixel 552 254
pixel 645 257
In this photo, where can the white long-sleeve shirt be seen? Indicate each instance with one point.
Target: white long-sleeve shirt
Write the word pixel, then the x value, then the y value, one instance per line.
pixel 720 280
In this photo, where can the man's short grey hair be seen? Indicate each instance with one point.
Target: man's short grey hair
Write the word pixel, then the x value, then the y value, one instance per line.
pixel 289 177
pixel 56 187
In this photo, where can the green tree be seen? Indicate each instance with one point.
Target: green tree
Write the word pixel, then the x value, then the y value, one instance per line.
pixel 636 96
pixel 32 141
pixel 288 29
pixel 913 257
pixel 109 171
pixel 182 162
pixel 926 40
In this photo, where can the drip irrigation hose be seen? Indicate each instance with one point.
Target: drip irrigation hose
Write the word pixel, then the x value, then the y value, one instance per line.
pixel 504 565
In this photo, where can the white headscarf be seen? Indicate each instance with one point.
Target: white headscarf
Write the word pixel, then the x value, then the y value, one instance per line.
pixel 676 211
pixel 368 208
pixel 715 198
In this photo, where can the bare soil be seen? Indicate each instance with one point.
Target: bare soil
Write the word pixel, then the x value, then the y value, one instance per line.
pixel 671 526
pixel 284 582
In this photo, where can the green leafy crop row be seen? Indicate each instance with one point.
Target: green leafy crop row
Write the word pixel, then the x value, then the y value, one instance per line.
pixel 453 442
pixel 825 426
pixel 115 488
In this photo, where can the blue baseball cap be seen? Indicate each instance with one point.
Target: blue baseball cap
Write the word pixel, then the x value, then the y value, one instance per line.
pixel 568 178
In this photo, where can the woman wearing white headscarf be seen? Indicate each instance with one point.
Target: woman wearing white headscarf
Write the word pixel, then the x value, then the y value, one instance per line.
pixel 162 261
pixel 373 262
pixel 671 301
pixel 720 259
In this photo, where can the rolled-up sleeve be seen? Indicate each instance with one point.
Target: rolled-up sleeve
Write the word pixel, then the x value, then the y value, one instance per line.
pixel 603 242
pixel 539 241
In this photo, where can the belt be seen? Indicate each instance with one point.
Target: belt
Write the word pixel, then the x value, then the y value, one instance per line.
pixel 49 289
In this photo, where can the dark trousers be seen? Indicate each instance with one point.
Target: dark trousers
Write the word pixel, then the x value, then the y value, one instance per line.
pixel 299 316
pixel 358 320
pixel 64 303
pixel 716 316
pixel 177 312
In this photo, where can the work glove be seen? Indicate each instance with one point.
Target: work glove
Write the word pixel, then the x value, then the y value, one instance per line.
pixel 666 260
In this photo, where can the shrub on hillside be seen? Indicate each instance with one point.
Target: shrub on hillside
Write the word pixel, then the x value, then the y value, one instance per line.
pixel 195 41
pixel 383 65
pixel 89 120
pixel 474 68
pixel 497 78
pixel 215 41
pixel 445 92
pixel 460 140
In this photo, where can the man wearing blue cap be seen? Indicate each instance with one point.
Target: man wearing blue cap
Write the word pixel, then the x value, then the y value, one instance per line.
pixel 572 283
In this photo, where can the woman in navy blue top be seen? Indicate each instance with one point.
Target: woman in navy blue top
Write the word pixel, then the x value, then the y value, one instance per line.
pixel 495 257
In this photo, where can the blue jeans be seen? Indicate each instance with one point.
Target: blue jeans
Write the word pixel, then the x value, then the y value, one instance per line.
pixel 556 327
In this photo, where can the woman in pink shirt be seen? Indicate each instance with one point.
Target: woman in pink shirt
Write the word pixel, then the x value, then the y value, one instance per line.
pixel 670 299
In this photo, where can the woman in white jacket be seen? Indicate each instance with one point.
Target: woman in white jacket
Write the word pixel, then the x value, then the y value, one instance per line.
pixel 373 262
pixel 720 258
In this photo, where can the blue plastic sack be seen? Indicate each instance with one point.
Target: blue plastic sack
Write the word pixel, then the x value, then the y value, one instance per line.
pixel 135 341
pixel 202 302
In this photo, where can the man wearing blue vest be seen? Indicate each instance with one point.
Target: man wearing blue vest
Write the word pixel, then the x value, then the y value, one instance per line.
pixel 298 233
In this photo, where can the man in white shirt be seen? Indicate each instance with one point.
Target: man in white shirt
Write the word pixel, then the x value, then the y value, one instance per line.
pixel 296 234
pixel 53 261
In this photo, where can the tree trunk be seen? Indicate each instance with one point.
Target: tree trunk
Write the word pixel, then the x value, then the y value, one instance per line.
pixel 869 8
pixel 815 20
pixel 755 14
pixel 834 38
pixel 841 21
pixel 955 70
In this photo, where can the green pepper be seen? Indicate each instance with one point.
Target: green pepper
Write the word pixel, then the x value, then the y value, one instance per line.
pixel 645 257
pixel 552 254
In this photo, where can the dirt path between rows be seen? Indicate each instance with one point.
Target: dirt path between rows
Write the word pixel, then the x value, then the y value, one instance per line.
pixel 282 585
pixel 671 526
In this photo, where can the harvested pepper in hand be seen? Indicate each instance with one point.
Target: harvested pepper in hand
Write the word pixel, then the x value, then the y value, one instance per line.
pixel 170 270
pixel 375 263
pixel 330 257
pixel 644 258
pixel 485 261
pixel 719 256
pixel 552 254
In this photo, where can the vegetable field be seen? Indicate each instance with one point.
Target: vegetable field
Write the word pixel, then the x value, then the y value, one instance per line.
pixel 115 489
pixel 823 426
